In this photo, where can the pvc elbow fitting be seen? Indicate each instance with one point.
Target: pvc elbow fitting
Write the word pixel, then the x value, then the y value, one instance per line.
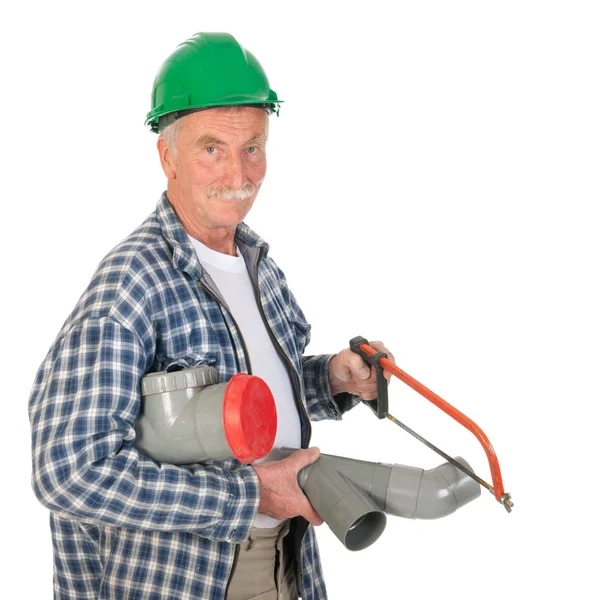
pixel 418 494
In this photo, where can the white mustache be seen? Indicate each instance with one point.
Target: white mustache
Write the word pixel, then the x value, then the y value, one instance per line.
pixel 224 192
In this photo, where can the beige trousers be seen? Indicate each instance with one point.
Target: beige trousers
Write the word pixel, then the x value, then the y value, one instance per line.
pixel 262 571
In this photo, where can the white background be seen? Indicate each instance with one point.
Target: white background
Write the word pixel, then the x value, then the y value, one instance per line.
pixel 433 183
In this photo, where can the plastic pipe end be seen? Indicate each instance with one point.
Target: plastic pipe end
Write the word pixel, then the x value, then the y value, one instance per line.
pixel 249 417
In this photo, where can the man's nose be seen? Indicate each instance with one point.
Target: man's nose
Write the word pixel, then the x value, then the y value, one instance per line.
pixel 235 172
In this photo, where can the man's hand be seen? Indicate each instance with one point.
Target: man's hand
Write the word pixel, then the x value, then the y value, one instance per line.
pixel 348 372
pixel 280 494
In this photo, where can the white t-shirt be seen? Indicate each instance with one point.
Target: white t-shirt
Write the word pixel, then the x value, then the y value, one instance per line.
pixel 233 281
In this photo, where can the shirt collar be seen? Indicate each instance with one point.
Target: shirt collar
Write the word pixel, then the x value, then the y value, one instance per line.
pixel 184 253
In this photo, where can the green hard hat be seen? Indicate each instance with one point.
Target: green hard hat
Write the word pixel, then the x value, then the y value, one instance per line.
pixel 209 69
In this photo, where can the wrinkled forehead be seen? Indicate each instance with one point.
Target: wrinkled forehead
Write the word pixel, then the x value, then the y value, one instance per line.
pixel 225 125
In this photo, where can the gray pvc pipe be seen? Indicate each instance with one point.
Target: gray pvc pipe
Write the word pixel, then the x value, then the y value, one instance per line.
pixel 181 419
pixel 352 495
pixel 187 416
pixel 409 492
pixel 351 514
pixel 417 494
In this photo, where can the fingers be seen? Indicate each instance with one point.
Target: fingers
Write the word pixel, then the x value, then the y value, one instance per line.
pixel 310 514
pixel 280 495
pixel 302 458
pixel 344 373
pixel 350 373
pixel 359 369
pixel 367 389
pixel 381 348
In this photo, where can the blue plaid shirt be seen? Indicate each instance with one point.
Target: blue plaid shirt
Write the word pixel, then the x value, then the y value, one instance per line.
pixel 124 526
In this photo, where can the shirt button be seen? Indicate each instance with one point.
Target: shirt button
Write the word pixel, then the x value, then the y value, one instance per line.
pixel 232 534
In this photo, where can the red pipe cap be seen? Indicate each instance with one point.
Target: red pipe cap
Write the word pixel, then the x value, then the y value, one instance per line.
pixel 249 417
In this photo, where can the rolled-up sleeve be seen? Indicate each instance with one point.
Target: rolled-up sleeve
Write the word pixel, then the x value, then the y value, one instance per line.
pixel 82 410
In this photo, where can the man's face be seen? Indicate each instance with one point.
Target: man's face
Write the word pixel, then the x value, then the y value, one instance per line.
pixel 220 164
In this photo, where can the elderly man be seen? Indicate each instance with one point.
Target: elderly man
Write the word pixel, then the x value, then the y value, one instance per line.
pixel 192 285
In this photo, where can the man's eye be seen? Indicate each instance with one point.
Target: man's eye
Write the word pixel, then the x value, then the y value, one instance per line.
pixel 211 149
pixel 252 149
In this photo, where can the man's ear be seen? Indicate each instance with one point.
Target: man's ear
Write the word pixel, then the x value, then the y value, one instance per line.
pixel 166 158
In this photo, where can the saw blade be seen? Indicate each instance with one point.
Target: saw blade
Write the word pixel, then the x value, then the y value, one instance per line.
pixel 441 453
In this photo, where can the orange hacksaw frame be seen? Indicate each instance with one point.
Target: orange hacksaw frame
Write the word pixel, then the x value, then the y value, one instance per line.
pixel 381 359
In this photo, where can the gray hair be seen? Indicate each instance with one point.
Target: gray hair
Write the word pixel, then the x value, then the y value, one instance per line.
pixel 171 134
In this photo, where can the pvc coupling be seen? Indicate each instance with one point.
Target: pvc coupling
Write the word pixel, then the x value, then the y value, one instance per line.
pixel 187 416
